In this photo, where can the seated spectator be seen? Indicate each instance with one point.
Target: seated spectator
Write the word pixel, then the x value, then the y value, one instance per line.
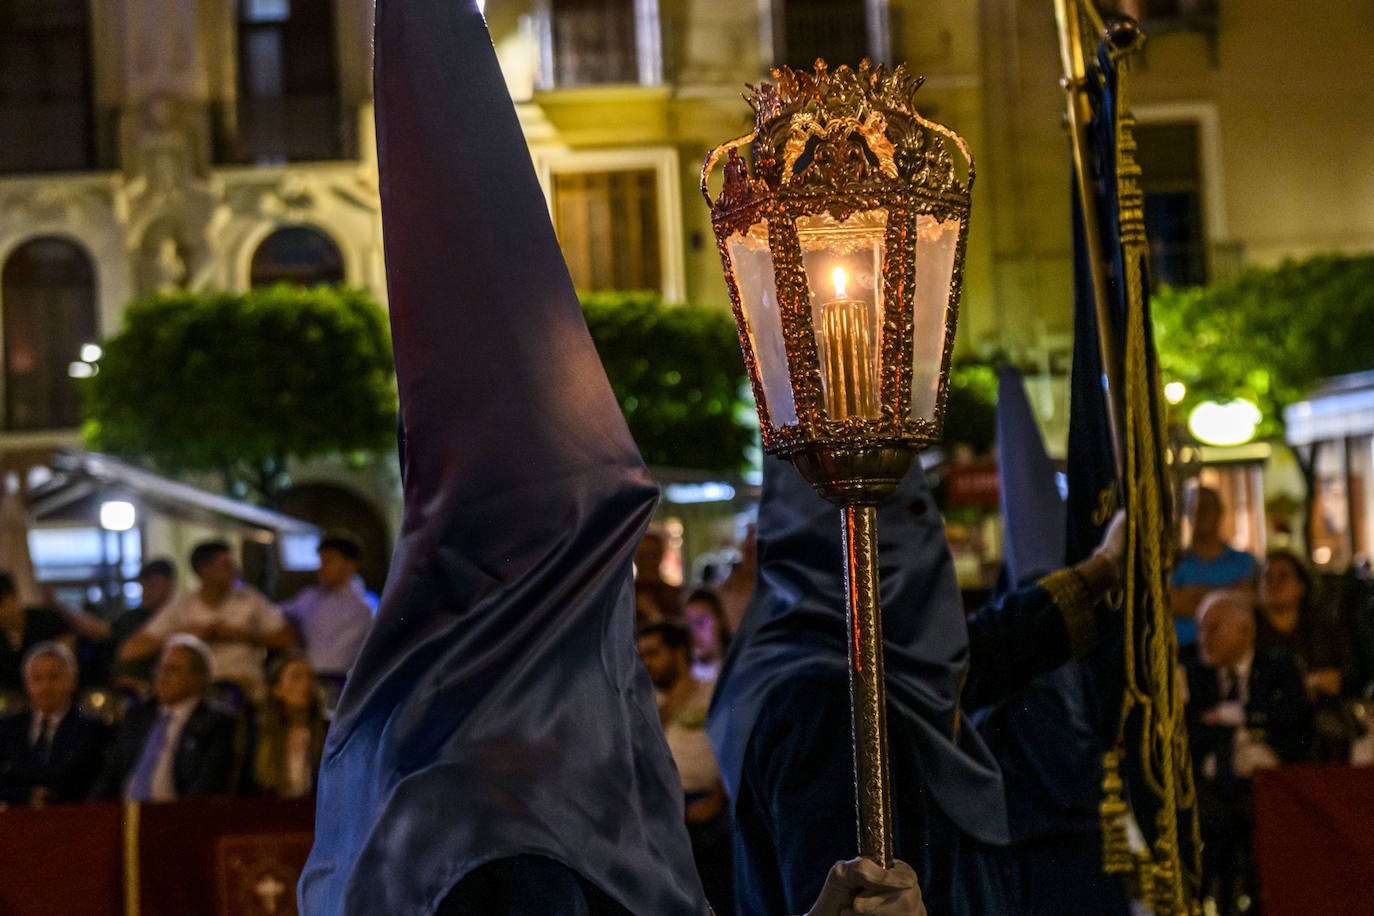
pixel 705 619
pixel 157 579
pixel 738 587
pixel 290 730
pixel 1209 563
pixel 332 616
pixel 235 620
pixel 1245 710
pixel 655 599
pixel 23 628
pixel 179 744
pixel 1290 622
pixel 52 753
pixel 666 649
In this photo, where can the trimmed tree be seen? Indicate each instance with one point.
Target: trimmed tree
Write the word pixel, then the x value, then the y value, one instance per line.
pixel 679 378
pixel 238 383
pixel 1270 335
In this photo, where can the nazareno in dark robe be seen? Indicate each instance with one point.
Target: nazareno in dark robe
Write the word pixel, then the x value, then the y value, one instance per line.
pixel 780 718
pixel 497 746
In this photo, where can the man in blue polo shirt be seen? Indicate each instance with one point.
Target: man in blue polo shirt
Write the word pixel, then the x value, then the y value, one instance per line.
pixel 1209 563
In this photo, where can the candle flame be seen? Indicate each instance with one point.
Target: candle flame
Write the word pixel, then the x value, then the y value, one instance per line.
pixel 839 278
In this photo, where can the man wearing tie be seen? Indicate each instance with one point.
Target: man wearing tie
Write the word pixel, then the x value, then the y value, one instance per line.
pixel 179 745
pixel 52 753
pixel 1245 710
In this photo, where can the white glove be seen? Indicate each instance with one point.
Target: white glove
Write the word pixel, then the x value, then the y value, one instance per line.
pixel 1251 754
pixel 1113 546
pixel 861 887
pixel 1230 713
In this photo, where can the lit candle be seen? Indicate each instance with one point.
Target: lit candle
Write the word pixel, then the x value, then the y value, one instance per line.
pixel 849 368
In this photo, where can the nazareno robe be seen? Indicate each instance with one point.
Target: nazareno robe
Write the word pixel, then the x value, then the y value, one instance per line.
pixel 780 723
pixel 498 724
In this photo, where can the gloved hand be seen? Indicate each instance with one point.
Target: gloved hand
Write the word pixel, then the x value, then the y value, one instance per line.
pixel 1106 567
pixel 1113 546
pixel 861 887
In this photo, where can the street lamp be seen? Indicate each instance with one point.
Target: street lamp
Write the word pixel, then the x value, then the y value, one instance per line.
pixel 842 242
pixel 117 517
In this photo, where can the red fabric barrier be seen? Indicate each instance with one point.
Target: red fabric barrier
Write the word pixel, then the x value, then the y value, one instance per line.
pixel 1314 840
pixel 226 857
pixel 62 860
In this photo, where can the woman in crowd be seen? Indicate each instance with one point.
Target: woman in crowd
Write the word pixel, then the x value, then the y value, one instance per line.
pixel 1289 620
pixel 705 618
pixel 290 732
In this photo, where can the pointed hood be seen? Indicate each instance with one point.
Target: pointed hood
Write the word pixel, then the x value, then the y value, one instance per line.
pixel 795 624
pixel 1033 512
pixel 499 706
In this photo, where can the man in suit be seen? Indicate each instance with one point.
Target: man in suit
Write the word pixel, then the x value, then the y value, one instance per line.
pixel 1246 710
pixel 52 753
pixel 179 745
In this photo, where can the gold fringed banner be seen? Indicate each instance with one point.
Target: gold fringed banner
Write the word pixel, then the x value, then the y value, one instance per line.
pixel 1151 745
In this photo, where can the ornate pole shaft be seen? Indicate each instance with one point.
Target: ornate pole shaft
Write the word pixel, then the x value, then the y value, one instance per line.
pixel 867 694
pixel 1080 115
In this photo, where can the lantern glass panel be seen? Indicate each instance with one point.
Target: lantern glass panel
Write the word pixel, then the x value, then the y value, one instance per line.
pixel 844 274
pixel 751 262
pixel 936 244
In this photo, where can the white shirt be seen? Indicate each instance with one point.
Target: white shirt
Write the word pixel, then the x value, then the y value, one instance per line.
pixel 245 607
pixel 691 749
pixel 1232 712
pixel 36 725
pixel 164 780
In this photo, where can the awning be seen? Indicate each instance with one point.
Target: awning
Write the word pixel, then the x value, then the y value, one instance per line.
pixel 76 475
pixel 1343 407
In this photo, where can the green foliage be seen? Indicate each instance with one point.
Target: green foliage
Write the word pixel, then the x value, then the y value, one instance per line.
pixel 238 382
pixel 678 376
pixel 971 407
pixel 1269 335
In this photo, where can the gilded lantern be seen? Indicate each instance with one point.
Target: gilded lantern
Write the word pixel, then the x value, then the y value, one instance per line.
pixel 842 239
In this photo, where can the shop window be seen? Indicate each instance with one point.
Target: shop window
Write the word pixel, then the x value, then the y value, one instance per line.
pixel 48 292
pixel 46 113
pixel 301 255
pixel 608 226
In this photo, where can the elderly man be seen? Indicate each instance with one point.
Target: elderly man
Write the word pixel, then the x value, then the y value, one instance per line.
pixel 178 745
pixel 52 753
pixel 1246 710
pixel 235 620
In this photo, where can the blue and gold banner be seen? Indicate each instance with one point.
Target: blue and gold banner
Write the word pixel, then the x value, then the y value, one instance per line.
pixel 1117 459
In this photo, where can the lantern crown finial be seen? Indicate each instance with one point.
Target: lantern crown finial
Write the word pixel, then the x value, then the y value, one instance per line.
pixel 845 126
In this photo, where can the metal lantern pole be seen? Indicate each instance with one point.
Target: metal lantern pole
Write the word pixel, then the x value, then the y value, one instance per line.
pixel 867 694
pixel 847 348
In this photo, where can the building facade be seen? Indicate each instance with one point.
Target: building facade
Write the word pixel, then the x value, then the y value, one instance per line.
pixel 217 144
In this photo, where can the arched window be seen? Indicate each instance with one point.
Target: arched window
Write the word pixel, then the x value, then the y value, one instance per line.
pixel 297 254
pixel 46 113
pixel 48 293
